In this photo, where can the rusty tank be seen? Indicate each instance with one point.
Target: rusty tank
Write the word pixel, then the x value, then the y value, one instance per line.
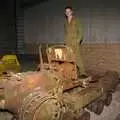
pixel 55 91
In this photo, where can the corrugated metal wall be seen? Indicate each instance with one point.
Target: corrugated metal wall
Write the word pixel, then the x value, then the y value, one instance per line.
pixel 45 22
pixel 19 28
pixel 3 30
pixel 7 27
pixel 20 32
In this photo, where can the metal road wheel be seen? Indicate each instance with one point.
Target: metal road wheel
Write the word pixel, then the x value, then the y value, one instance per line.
pixel 14 118
pixel 92 107
pixel 108 100
pixel 85 116
pixel 99 107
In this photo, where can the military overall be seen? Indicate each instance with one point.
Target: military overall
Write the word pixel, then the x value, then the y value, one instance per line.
pixel 73 37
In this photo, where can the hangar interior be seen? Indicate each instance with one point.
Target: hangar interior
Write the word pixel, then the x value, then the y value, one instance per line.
pixel 26 24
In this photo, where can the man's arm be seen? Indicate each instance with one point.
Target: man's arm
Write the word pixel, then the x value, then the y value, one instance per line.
pixel 79 31
pixel 65 32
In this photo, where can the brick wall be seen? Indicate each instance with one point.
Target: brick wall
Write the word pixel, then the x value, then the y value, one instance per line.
pixel 101 57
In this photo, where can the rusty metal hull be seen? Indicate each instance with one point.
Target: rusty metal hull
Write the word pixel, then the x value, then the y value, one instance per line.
pixel 56 92
pixel 24 93
pixel 41 95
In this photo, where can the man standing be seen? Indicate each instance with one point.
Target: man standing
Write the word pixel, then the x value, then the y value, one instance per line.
pixel 74 37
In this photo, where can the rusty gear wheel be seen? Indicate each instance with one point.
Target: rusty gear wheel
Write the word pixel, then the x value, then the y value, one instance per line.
pixel 108 100
pixel 99 107
pixel 14 118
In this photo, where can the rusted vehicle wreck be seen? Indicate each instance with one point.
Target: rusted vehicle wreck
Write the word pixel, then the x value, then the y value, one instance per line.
pixel 54 91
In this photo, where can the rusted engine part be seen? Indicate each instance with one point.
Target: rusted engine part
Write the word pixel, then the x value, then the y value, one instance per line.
pixel 62 60
pixel 77 99
pixel 69 72
pixel 18 87
pixel 66 69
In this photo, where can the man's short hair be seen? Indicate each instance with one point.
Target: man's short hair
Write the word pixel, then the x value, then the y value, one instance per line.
pixel 68 7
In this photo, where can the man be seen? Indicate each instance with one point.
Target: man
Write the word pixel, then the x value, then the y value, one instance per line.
pixel 74 37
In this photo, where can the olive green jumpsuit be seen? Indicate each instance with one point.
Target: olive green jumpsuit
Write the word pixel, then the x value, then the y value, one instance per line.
pixel 73 37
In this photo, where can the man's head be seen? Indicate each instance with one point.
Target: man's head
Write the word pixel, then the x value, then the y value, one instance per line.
pixel 68 11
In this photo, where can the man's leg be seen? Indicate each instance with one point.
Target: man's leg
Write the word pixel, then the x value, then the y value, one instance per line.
pixel 79 62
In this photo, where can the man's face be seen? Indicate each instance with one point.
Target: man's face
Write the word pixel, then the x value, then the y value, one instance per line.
pixel 68 12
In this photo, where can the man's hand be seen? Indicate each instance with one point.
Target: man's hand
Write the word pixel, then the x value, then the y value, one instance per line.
pixel 81 42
